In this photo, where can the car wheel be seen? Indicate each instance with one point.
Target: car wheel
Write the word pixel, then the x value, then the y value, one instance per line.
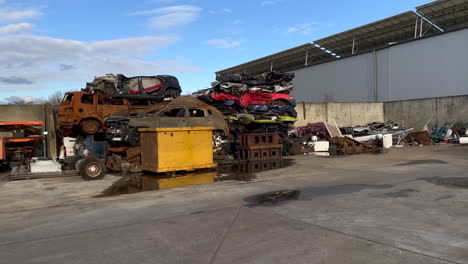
pixel 92 169
pixel 134 137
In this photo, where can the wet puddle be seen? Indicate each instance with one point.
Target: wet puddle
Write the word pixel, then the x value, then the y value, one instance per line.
pixel 418 162
pixel 280 197
pixel 458 182
pixel 401 193
pixel 238 171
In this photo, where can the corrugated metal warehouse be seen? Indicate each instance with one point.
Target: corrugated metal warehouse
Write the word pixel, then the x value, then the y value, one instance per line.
pixel 421 54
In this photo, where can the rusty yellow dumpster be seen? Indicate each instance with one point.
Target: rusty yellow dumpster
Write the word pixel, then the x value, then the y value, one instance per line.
pixel 176 148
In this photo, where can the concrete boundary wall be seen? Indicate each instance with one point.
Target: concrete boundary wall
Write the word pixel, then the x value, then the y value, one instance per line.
pixel 413 113
pixel 434 111
pixel 345 114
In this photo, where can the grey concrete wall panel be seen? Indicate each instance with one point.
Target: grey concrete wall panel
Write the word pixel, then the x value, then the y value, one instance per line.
pixel 382 75
pixel 432 67
pixel 21 113
pixel 310 113
pixel 438 111
pixel 413 113
pixel 345 114
pixel 452 110
pixel 347 80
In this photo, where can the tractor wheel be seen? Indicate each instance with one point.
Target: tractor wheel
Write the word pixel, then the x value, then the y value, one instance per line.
pixel 76 161
pixel 92 169
pixel 90 126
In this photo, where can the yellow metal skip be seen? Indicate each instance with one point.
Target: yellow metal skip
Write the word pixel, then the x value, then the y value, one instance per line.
pixel 176 148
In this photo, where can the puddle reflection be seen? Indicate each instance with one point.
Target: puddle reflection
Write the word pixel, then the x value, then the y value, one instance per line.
pixel 238 171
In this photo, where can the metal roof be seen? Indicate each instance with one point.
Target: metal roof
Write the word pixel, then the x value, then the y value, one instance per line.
pixel 447 14
pixel 444 14
pixel 378 34
pixel 307 54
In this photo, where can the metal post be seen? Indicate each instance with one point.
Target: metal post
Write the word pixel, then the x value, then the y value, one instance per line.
pixel 271 66
pixel 416 29
pixel 306 58
pixel 421 28
pixel 354 41
pixel 45 136
pixel 376 91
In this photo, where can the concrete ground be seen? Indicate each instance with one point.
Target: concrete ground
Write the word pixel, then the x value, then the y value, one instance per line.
pixel 385 208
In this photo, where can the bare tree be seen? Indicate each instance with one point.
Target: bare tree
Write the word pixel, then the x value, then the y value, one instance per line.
pixel 55 98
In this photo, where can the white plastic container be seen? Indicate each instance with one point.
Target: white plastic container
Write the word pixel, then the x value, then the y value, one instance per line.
pixel 44 166
pixel 387 141
pixel 321 146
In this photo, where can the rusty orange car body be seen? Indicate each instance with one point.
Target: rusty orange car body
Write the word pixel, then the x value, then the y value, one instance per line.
pixel 88 110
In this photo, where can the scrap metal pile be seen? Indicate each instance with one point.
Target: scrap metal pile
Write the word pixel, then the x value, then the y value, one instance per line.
pixel 259 103
pixel 158 87
pixel 324 138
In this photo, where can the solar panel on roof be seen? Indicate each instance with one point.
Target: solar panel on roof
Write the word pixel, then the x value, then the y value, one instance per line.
pixel 372 36
pixel 290 59
pixel 447 14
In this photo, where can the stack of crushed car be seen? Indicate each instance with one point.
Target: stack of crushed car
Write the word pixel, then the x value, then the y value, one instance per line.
pixel 259 103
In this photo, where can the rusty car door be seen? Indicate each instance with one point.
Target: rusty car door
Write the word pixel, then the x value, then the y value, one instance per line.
pixel 172 117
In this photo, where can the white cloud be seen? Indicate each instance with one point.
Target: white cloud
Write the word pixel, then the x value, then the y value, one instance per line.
pixel 171 16
pixel 10 16
pixel 304 29
pixel 269 2
pixel 172 20
pixel 223 43
pixel 2 2
pixel 220 11
pixel 168 9
pixel 15 28
pixel 28 60
pixel 237 22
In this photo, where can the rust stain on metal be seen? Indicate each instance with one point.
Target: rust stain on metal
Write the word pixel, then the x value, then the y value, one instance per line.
pixel 421 137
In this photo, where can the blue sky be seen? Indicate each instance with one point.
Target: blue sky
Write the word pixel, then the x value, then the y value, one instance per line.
pixel 58 45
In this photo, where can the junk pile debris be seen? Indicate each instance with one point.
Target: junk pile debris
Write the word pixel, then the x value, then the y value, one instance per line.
pixel 254 104
pixel 158 87
pixel 113 94
pixel 324 138
pixel 450 133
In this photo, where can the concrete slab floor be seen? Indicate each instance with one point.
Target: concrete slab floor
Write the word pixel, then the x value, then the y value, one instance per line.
pixel 388 208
